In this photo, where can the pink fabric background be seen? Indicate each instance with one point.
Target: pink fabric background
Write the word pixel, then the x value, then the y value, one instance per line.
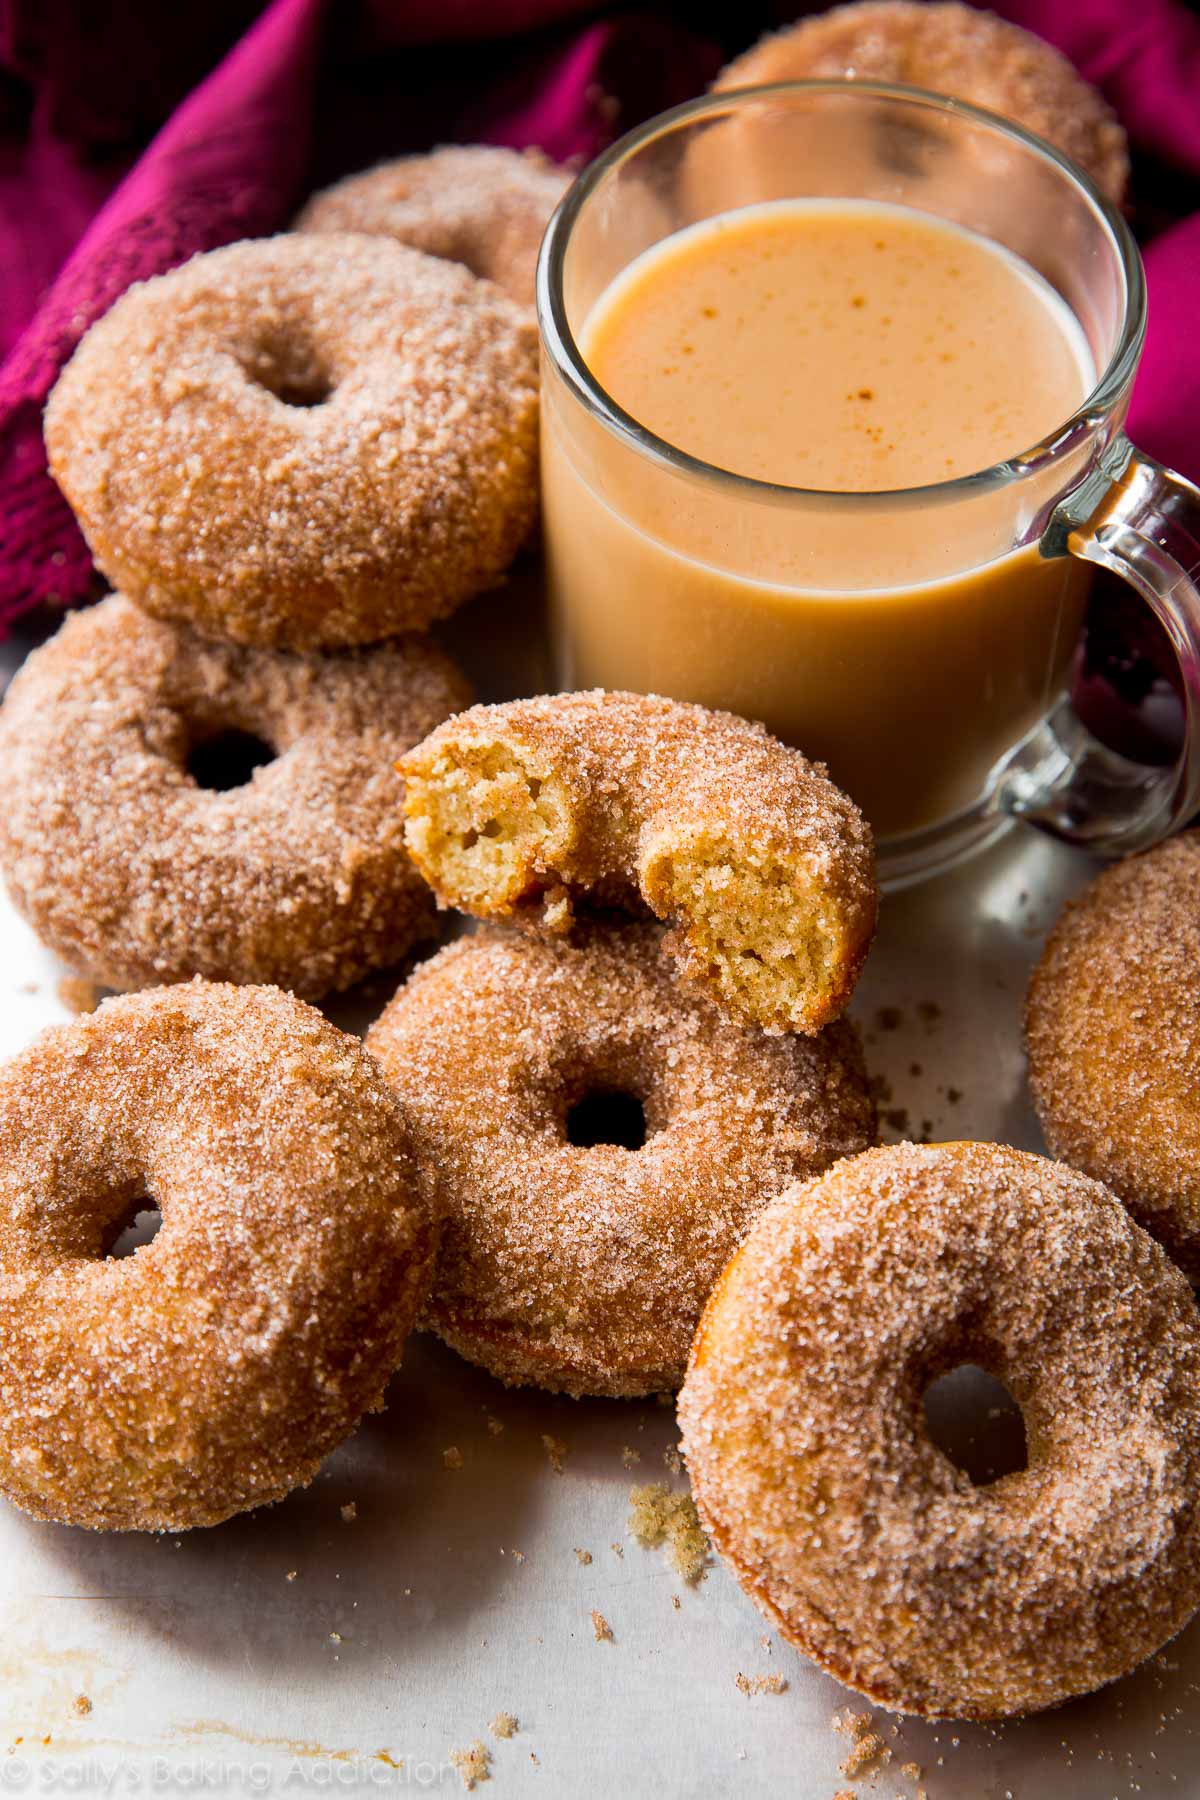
pixel 129 140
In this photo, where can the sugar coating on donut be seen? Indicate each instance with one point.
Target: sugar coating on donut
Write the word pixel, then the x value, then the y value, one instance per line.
pixel 815 1474
pixel 765 868
pixel 309 441
pixel 583 1267
pixel 213 1369
pixel 477 204
pixel 134 874
pixel 1112 1027
pixel 950 49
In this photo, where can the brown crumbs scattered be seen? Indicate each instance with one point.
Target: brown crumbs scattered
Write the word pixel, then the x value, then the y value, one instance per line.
pixel 504 1725
pixel 349 1513
pixel 630 1456
pixel 583 1556
pixel 601 1628
pixel 494 1426
pixel 473 1764
pixel 761 1684
pixel 658 1516
pixel 452 1458
pixel 82 1706
pixel 867 1747
pixel 556 1452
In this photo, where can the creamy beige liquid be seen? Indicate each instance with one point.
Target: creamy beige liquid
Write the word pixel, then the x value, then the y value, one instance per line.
pixel 853 348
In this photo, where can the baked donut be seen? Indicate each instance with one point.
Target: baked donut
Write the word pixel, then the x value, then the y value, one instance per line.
pixel 949 49
pixel 765 867
pixel 476 204
pixel 216 1367
pixel 302 441
pixel 136 874
pixel 815 1474
pixel 599 1143
pixel 1112 1028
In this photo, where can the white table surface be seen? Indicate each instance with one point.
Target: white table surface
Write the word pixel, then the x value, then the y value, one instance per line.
pixel 457 1594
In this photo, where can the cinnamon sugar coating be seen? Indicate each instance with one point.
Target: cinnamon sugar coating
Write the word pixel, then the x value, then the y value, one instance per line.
pixel 765 868
pixel 135 875
pixel 1112 1029
pixel 815 1475
pixel 476 204
pixel 305 441
pixel 213 1369
pixel 583 1268
pixel 956 50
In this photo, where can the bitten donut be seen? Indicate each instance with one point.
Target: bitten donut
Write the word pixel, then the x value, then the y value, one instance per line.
pixel 134 873
pixel 765 868
pixel 599 1143
pixel 956 50
pixel 303 441
pixel 1112 1028
pixel 473 203
pixel 813 1469
pixel 214 1368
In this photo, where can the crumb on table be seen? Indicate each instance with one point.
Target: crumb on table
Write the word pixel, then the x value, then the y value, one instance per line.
pixel 82 1706
pixel 658 1516
pixel 452 1457
pixel 601 1628
pixel 473 1764
pixel 504 1725
pixel 584 1557
pixel 761 1684
pixel 556 1452
pixel 867 1748
pixel 349 1513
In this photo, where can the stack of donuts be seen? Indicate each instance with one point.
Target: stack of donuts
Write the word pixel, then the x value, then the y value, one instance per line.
pixel 616 1136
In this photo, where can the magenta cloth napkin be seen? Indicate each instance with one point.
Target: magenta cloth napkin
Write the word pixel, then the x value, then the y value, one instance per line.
pixel 312 88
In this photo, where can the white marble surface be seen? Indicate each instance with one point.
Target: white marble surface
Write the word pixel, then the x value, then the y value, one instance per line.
pixel 457 1594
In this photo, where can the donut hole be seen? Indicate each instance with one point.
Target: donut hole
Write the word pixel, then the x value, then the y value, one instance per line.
pixel 973 1419
pixel 220 760
pixel 291 371
pixel 606 1115
pixel 139 1227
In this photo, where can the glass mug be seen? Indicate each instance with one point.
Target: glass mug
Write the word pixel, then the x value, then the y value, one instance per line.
pixel 935 686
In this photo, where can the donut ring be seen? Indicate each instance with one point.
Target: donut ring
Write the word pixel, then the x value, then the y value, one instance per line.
pixel 950 49
pixel 1112 1029
pixel 583 1268
pixel 336 440
pixel 765 867
pixel 471 203
pixel 819 1483
pixel 134 874
pixel 216 1367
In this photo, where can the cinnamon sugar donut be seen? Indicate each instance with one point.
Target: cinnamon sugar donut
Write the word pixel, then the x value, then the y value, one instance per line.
pixel 303 441
pixel 135 874
pixel 766 868
pixel 472 203
pixel 950 49
pixel 815 1474
pixel 599 1142
pixel 216 1367
pixel 1112 1027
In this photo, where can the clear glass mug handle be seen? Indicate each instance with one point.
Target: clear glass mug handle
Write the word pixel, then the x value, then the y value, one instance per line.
pixel 1143 522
